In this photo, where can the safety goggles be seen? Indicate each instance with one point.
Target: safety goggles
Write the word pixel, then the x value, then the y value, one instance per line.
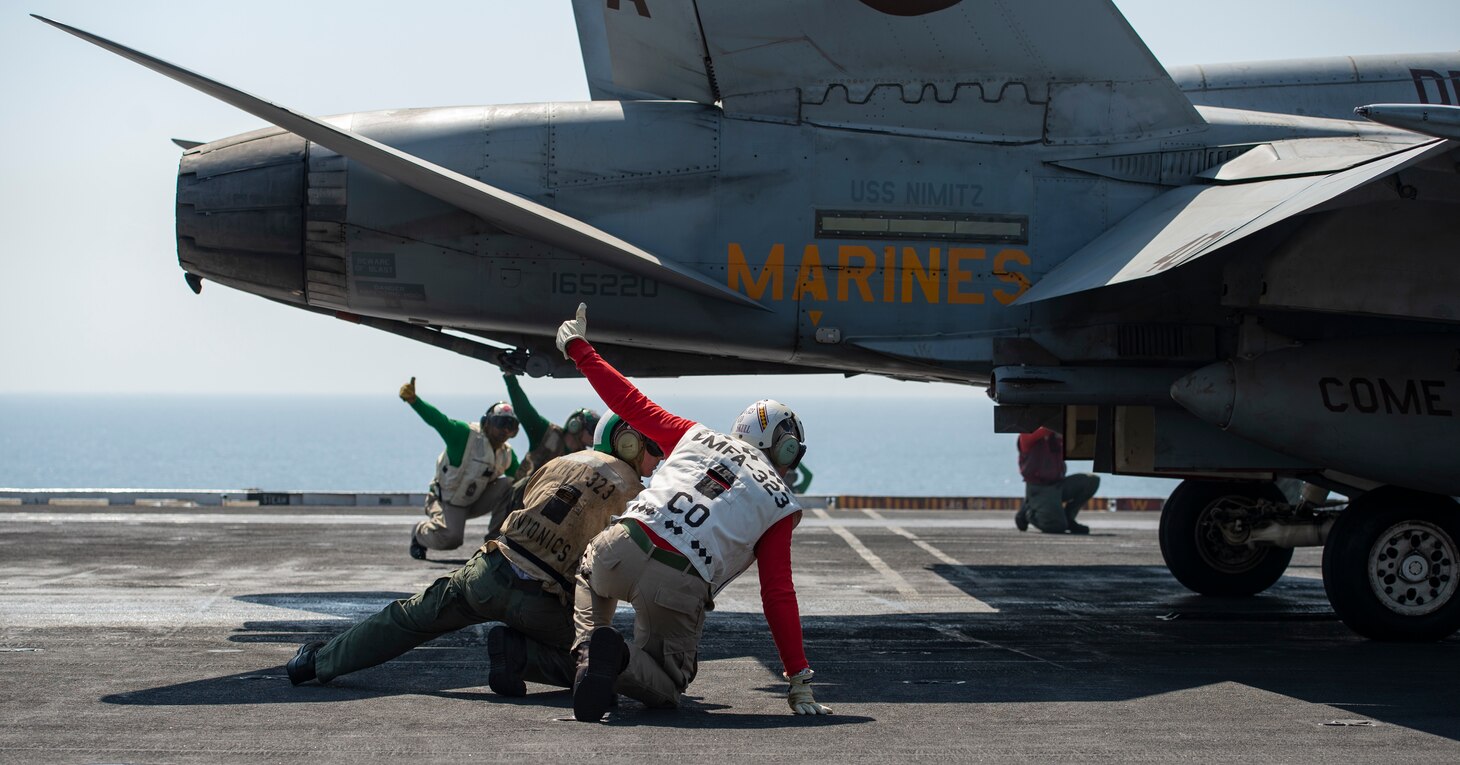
pixel 653 448
pixel 502 422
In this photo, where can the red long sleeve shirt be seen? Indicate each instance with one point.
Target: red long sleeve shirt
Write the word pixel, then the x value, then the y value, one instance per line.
pixel 772 550
pixel 1042 457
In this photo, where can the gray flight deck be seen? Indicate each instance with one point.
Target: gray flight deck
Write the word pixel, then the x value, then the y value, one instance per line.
pixel 157 635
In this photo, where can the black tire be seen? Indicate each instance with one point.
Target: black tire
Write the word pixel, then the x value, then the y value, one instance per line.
pixel 1200 558
pixel 1390 566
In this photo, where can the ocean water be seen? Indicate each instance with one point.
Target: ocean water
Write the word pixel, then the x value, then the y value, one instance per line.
pixel 901 446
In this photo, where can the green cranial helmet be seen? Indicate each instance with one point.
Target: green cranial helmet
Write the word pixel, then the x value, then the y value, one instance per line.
pixel 618 438
pixel 581 420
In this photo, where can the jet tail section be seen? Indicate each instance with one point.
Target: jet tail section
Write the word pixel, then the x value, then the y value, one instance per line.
pixel 500 208
pixel 1189 222
pixel 983 70
pixel 643 51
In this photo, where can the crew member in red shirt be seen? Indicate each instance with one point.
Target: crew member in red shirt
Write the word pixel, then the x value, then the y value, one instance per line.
pixel 1051 498
pixel 718 503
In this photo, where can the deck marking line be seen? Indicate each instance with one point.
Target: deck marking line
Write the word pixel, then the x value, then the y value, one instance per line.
pixel 981 607
pixel 875 562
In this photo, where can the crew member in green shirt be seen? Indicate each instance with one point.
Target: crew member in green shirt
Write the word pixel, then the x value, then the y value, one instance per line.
pixel 473 474
pixel 546 441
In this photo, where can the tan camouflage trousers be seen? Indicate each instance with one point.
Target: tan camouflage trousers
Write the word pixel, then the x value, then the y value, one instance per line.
pixel 445 524
pixel 669 614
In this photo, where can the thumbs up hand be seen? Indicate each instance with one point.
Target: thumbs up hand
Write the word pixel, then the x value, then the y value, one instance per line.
pixel 408 392
pixel 576 327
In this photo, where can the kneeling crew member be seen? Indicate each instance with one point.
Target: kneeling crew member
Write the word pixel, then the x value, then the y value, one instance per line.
pixel 719 504
pixel 473 474
pixel 523 578
pixel 1051 498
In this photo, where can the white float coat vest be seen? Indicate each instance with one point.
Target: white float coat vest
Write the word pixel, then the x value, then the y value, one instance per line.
pixel 463 484
pixel 712 499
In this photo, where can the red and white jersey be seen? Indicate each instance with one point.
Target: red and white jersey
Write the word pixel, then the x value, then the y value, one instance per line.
pixel 712 499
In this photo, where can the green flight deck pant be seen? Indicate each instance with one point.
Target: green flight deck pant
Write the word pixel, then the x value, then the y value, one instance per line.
pixel 486 589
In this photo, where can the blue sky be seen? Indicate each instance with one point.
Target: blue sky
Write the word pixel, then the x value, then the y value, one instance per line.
pixel 92 299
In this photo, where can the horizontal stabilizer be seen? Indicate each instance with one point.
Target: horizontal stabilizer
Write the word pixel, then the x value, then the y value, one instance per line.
pixel 1306 156
pixel 500 208
pixel 1191 221
pixel 1008 72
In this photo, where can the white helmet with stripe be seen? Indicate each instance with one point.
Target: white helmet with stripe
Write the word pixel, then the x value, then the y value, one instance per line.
pixel 773 428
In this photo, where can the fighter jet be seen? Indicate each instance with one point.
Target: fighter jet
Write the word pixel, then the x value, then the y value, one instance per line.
pixel 1218 273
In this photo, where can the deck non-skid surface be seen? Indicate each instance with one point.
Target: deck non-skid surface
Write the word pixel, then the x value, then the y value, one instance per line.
pixel 144 636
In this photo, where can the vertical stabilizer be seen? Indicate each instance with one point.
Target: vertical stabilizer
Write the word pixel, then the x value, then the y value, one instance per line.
pixel 990 70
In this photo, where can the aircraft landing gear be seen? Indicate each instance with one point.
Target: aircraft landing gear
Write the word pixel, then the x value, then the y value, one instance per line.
pixel 1204 529
pixel 1392 565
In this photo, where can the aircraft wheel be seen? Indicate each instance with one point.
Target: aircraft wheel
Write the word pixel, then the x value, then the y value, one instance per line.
pixel 1390 566
pixel 1197 553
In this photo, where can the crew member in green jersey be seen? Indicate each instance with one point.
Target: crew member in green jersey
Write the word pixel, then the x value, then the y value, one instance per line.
pixel 473 474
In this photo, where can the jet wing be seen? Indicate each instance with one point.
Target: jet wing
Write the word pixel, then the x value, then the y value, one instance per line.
pixel 1191 221
pixel 1008 72
pixel 500 208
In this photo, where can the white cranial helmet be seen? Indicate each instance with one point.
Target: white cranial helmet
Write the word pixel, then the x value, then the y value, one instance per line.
pixel 772 427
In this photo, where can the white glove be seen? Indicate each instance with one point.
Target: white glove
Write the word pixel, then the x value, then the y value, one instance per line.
pixel 577 327
pixel 800 698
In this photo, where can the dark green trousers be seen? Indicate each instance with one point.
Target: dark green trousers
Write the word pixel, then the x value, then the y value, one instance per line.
pixel 1052 507
pixel 484 590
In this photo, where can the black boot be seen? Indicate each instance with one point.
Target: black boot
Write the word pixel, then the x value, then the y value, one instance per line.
pixel 418 550
pixel 1079 528
pixel 301 667
pixel 1021 520
pixel 507 650
pixel 607 656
